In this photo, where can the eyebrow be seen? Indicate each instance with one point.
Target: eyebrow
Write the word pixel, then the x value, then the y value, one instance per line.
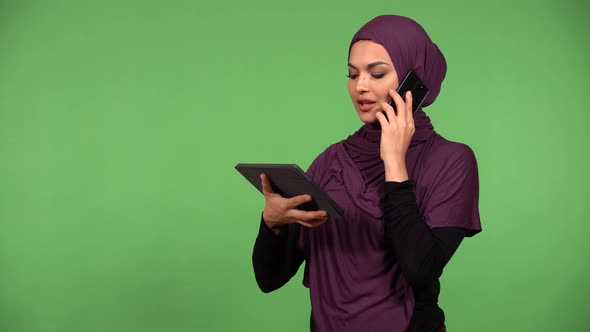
pixel 370 65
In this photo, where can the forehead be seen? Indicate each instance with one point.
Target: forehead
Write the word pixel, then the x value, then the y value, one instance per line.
pixel 365 51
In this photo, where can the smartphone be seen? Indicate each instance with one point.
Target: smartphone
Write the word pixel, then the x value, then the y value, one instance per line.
pixel 411 83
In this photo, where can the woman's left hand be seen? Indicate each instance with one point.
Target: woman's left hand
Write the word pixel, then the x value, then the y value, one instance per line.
pixel 396 134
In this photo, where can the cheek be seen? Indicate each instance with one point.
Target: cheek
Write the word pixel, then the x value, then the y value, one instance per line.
pixel 386 87
pixel 351 89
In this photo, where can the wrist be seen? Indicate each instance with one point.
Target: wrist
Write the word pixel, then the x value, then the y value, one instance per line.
pixel 272 225
pixel 395 170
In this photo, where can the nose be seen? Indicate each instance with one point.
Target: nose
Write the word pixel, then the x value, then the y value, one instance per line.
pixel 362 84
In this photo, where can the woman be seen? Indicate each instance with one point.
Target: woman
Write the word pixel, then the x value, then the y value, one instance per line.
pixel 409 195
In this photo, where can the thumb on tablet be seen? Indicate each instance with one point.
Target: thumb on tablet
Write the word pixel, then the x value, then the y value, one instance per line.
pixel 266 185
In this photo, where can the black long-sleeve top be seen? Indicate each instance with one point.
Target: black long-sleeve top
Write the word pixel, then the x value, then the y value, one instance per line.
pixel 421 252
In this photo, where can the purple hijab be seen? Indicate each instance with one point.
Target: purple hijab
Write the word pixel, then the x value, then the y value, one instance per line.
pixel 355 284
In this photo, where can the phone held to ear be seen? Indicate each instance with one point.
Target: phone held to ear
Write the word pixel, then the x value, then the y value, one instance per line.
pixel 414 84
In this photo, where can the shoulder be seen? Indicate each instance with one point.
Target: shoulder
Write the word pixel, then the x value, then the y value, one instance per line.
pixel 445 154
pixel 328 153
pixel 322 161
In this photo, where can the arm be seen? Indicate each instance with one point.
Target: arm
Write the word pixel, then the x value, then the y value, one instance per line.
pixel 276 257
pixel 422 252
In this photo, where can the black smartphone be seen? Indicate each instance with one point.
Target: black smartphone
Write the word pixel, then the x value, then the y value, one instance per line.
pixel 411 83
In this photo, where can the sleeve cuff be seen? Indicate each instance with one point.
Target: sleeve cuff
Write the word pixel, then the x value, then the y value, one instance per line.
pixel 399 186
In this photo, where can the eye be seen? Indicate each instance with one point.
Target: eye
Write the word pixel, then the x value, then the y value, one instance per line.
pixel 352 76
pixel 377 76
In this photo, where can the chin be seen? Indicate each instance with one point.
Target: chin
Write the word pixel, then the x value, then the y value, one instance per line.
pixel 368 117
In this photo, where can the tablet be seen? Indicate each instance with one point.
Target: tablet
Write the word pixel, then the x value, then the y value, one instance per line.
pixel 289 180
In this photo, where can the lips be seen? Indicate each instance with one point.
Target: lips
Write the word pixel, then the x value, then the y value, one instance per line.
pixel 365 104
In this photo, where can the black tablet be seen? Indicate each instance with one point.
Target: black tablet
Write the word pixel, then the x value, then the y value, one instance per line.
pixel 289 180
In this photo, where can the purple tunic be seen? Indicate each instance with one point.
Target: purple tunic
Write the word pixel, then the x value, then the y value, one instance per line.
pixel 354 283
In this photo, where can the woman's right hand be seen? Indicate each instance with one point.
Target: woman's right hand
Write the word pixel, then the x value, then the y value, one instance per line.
pixel 281 211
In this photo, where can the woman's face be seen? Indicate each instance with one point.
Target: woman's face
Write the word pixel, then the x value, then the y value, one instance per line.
pixel 371 76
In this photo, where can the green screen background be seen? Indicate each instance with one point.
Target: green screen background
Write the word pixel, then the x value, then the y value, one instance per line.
pixel 121 122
